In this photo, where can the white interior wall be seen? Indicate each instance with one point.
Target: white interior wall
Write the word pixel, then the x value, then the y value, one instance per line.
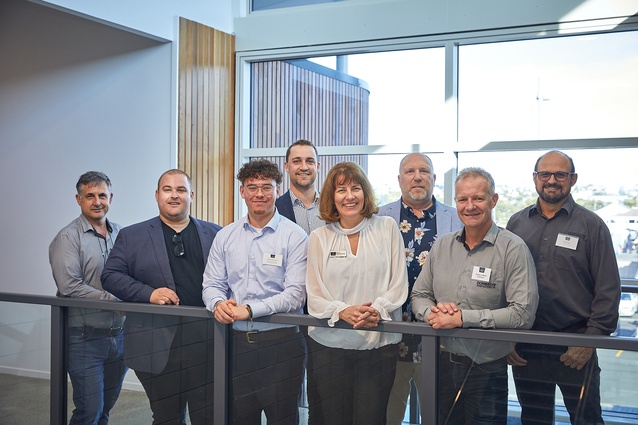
pixel 155 17
pixel 75 95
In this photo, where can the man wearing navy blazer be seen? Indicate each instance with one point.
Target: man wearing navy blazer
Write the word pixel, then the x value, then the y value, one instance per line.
pixel 161 261
pixel 421 218
pixel 299 204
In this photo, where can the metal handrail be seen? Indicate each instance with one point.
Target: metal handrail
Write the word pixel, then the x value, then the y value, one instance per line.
pixel 429 336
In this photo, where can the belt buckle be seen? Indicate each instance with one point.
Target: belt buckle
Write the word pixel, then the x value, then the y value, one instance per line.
pixel 455 358
pixel 250 334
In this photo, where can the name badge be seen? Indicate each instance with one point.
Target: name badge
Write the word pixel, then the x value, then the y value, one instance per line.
pixel 273 259
pixel 481 273
pixel 567 241
pixel 337 254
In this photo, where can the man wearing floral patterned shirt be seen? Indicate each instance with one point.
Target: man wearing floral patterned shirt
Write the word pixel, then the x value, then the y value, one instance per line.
pixel 421 218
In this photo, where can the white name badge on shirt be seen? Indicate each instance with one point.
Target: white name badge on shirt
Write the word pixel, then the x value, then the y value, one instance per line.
pixel 273 259
pixel 567 241
pixel 481 274
pixel 337 254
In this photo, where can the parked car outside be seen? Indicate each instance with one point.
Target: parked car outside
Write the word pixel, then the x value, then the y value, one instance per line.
pixel 628 304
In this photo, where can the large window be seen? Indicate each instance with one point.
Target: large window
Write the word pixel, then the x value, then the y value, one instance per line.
pixel 497 104
pixel 556 88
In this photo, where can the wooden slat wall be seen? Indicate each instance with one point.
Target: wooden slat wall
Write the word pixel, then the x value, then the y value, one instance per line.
pixel 290 103
pixel 206 118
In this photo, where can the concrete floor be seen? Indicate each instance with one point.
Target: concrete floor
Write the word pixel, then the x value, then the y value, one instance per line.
pixel 25 401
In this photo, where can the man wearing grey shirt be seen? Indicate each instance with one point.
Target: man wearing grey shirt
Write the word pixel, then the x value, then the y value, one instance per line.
pixel 481 276
pixel 94 337
pixel 579 287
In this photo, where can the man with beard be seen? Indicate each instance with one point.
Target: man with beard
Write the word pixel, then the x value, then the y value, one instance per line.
pixel 299 204
pixel 579 288
pixel 161 261
pixel 421 219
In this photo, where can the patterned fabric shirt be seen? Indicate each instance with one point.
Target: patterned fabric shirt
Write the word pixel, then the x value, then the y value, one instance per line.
pixel 418 236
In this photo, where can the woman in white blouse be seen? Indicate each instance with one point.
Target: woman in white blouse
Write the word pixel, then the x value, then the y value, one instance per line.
pixel 356 274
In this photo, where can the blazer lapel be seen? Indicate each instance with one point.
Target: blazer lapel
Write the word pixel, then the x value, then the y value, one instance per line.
pixel 156 234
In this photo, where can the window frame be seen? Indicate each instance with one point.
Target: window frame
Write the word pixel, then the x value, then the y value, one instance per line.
pixel 451 43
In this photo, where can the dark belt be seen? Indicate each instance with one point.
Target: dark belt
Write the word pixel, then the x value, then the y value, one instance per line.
pixel 460 359
pixel 113 331
pixel 266 335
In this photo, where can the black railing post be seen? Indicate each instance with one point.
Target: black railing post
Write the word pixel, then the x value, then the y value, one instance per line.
pixel 428 394
pixel 58 396
pixel 222 373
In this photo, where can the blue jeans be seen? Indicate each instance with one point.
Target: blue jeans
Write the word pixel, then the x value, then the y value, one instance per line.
pixel 472 393
pixel 96 369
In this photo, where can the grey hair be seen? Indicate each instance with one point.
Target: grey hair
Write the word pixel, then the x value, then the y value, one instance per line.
pixel 477 172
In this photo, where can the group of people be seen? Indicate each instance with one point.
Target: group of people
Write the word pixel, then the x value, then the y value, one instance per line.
pixel 337 256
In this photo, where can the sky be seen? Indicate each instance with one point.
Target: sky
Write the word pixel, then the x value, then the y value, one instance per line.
pixel 562 88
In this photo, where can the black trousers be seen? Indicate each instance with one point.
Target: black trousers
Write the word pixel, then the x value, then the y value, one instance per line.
pixel 268 369
pixel 353 386
pixel 536 385
pixel 187 378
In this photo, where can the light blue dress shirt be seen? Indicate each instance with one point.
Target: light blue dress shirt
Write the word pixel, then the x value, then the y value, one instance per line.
pixel 265 268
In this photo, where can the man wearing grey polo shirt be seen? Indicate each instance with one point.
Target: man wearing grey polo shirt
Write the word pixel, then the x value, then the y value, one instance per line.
pixel 481 276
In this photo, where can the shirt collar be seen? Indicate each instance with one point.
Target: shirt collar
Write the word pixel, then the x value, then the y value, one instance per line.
pixel 568 207
pixel 273 223
pixel 88 227
pixel 430 212
pixel 489 237
pixel 297 201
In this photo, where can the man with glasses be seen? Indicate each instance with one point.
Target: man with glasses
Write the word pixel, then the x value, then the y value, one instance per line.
pixel 579 288
pixel 257 267
pixel 161 261
pixel 94 337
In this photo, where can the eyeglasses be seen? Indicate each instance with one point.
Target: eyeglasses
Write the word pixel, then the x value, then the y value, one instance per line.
pixel 178 249
pixel 560 176
pixel 266 189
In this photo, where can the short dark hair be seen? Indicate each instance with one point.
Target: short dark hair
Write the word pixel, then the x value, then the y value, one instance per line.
pixel 260 169
pixel 175 171
pixel 571 161
pixel 301 142
pixel 344 173
pixel 91 178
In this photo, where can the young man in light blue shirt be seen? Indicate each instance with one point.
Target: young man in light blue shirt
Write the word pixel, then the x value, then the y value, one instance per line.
pixel 257 267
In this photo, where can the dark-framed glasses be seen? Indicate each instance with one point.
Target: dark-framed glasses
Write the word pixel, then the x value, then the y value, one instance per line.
pixel 178 249
pixel 560 176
